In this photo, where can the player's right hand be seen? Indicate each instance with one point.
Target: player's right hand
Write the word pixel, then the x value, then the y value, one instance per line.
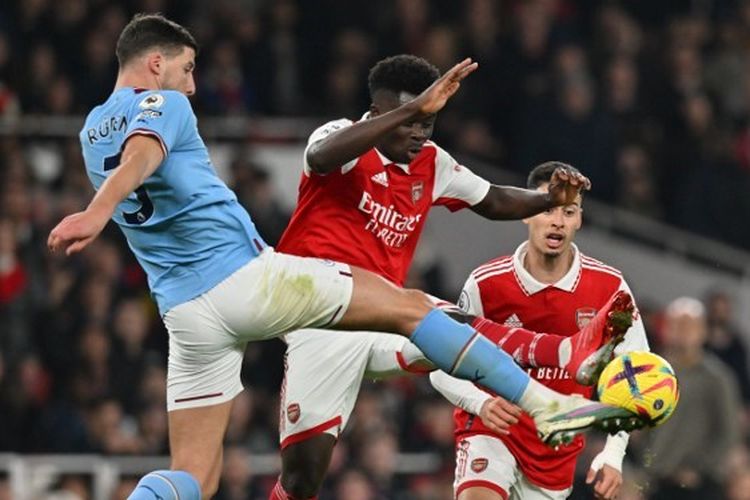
pixel 75 232
pixel 436 95
pixel 499 414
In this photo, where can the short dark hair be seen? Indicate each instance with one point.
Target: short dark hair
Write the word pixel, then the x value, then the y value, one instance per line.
pixel 148 31
pixel 542 173
pixel 402 73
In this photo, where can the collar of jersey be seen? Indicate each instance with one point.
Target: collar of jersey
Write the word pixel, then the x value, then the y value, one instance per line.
pixel 531 285
pixel 383 159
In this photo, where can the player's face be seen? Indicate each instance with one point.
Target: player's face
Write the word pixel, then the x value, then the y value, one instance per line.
pixel 177 72
pixel 551 232
pixel 407 140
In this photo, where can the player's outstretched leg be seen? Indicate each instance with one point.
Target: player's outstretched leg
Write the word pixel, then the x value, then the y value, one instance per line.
pixel 460 350
pixel 584 355
pixel 592 347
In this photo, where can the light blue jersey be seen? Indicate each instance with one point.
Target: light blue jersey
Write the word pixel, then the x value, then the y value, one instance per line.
pixel 184 224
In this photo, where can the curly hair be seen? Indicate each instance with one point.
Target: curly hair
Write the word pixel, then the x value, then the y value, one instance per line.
pixel 402 73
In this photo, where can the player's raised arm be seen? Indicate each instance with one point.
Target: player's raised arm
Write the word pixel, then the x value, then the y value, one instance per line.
pixel 507 202
pixel 140 158
pixel 348 143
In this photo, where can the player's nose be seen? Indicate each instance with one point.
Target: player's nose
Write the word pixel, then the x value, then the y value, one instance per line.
pixel 190 86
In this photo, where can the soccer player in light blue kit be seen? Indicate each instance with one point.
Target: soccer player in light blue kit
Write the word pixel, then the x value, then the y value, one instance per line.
pixel 218 285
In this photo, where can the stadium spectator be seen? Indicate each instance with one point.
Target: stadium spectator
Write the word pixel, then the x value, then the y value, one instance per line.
pixel 692 465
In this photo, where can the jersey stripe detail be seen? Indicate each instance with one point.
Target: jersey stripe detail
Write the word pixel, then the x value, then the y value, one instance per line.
pixel 493 263
pixel 492 270
pixel 605 270
pixel 492 274
pixel 593 263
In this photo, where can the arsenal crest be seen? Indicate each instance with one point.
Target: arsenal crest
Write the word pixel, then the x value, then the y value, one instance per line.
pixel 293 412
pixel 584 315
pixel 479 465
pixel 417 190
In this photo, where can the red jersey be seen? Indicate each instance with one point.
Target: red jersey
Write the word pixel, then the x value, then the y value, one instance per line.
pixel 503 291
pixel 371 211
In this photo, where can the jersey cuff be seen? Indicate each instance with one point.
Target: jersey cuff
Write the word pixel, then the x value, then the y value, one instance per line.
pixel 148 132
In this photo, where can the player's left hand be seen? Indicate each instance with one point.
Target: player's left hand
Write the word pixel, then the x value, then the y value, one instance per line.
pixel 75 232
pixel 565 186
pixel 606 482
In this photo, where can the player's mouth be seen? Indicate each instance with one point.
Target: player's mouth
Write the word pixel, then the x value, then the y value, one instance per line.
pixel 554 240
pixel 414 150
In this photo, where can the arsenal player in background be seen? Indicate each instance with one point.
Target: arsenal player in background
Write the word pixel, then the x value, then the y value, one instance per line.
pixel 546 285
pixel 364 195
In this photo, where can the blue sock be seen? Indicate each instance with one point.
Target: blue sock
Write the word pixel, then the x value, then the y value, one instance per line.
pixel 461 351
pixel 167 485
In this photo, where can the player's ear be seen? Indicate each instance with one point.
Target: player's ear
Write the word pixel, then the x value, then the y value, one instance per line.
pixel 155 62
pixel 374 111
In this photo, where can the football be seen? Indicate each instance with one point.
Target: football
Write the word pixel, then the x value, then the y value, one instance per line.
pixel 642 382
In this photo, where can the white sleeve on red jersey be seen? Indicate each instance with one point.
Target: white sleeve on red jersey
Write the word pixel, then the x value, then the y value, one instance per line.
pixel 635 338
pixel 456 186
pixel 321 133
pixel 470 300
pixel 461 393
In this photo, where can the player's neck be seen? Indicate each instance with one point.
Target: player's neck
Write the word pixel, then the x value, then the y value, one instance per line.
pixel 136 79
pixel 546 268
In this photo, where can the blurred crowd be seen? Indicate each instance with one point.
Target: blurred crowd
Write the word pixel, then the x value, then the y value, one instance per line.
pixel 651 99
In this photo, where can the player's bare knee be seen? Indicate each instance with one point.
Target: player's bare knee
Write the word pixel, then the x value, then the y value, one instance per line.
pixel 413 306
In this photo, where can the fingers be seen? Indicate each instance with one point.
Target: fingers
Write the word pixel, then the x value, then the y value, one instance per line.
pixel 77 246
pixel 590 476
pixel 575 179
pixel 499 414
pixel 461 70
pixel 608 484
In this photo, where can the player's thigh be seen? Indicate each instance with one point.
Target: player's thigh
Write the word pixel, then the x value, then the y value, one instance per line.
pixel 205 359
pixel 525 490
pixel 377 304
pixel 277 293
pixel 322 377
pixel 195 441
pixel 483 464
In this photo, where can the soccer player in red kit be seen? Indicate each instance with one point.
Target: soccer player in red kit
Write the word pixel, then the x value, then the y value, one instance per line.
pixel 364 196
pixel 546 284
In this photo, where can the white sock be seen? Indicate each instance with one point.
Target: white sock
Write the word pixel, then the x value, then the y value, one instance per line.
pixel 564 352
pixel 537 398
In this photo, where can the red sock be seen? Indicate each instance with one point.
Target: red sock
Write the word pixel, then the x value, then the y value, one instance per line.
pixel 278 493
pixel 527 348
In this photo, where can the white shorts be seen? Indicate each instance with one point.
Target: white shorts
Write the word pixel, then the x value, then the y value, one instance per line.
pixel 323 373
pixel 484 461
pixel 273 294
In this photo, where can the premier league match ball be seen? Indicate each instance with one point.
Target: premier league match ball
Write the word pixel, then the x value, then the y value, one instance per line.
pixel 642 382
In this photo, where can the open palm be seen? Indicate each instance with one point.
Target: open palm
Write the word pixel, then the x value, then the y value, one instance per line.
pixel 436 95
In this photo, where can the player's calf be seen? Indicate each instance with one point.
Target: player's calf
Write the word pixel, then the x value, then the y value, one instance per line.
pixel 304 466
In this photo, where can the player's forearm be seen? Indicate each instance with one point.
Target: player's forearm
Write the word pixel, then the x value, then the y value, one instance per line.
pixel 507 203
pixel 461 393
pixel 351 142
pixel 127 177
